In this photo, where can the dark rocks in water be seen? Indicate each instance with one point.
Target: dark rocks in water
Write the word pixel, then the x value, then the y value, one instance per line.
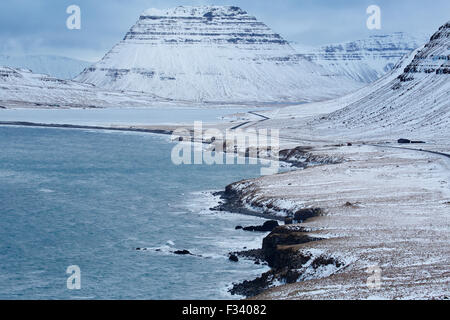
pixel 238 228
pixel 288 220
pixel 281 251
pixel 266 227
pixel 303 214
pixel 253 287
pixel 252 254
pixel 283 274
pixel 233 258
pixel 259 285
pixel 182 252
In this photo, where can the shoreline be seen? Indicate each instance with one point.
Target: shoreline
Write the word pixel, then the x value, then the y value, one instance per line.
pixel 412 181
pixel 231 201
pixel 358 230
pixel 279 247
pixel 70 126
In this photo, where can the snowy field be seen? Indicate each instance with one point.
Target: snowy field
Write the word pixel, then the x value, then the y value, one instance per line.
pixel 383 207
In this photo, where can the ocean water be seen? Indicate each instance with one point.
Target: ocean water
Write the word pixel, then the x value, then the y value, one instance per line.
pixel 90 198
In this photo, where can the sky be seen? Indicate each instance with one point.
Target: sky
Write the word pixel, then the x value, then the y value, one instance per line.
pixel 39 26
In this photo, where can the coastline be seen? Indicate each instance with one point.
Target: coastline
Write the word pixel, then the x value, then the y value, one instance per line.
pixel 230 198
pixel 356 230
pixel 337 183
pixel 70 126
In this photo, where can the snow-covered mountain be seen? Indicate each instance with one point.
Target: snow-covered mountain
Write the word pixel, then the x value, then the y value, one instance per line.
pixel 23 88
pixel 414 98
pixel 411 101
pixel 364 60
pixel 55 66
pixel 215 54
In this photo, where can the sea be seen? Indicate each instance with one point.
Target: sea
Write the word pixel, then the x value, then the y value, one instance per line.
pixel 86 200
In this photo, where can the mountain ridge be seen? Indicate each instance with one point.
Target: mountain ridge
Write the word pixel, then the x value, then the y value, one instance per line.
pixel 55 66
pixel 364 60
pixel 21 88
pixel 414 98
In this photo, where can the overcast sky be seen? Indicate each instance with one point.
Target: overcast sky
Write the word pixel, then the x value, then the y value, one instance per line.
pixel 39 26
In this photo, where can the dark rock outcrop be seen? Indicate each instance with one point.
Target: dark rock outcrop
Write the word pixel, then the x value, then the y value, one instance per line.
pixel 304 214
pixel 277 247
pixel 281 249
pixel 266 227
pixel 182 252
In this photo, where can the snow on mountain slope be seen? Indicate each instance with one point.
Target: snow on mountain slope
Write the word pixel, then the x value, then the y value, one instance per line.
pixel 411 101
pixel 365 60
pixel 417 101
pixel 22 88
pixel 215 54
pixel 55 66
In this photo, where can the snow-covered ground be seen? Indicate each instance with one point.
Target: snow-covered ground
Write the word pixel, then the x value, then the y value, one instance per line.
pixel 383 207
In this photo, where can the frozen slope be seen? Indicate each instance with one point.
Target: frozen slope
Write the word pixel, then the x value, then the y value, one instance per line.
pixel 365 60
pixel 411 101
pixel 23 88
pixel 212 54
pixel 416 101
pixel 55 66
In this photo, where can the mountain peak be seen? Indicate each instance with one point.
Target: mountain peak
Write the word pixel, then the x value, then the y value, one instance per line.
pixel 434 57
pixel 198 11
pixel 214 54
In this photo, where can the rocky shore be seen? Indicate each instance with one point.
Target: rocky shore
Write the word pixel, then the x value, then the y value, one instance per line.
pixel 280 249
pixel 339 223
